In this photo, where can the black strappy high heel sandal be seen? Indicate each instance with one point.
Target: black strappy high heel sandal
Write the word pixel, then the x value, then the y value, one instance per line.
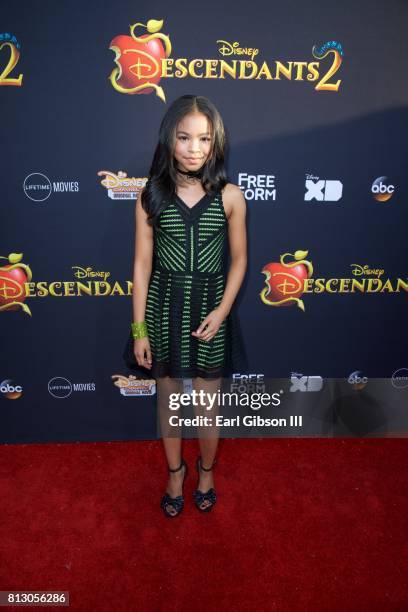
pixel 176 502
pixel 210 495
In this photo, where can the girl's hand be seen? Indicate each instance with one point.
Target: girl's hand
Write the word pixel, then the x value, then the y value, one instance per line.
pixel 211 323
pixel 143 354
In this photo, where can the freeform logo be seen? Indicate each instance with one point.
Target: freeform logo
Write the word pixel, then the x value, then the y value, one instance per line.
pixel 322 190
pixel 257 186
pixel 248 383
pixel 381 190
pixel 305 383
pixel 38 187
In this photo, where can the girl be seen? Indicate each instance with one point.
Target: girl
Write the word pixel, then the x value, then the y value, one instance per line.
pixel 184 324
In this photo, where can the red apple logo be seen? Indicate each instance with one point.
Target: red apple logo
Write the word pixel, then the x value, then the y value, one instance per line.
pixel 139 60
pixel 285 281
pixel 12 287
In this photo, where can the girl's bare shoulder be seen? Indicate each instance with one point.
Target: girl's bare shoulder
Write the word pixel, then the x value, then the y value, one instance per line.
pixel 233 199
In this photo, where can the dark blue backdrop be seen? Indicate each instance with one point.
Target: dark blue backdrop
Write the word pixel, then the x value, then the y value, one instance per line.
pixel 67 122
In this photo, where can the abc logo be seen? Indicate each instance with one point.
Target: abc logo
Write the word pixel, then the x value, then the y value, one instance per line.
pixel 9 390
pixel 358 380
pixel 381 189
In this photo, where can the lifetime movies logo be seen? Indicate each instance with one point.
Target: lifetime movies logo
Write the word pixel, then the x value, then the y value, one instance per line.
pixel 38 187
pixel 61 388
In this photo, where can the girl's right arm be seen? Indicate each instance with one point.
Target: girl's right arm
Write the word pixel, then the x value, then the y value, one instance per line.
pixel 141 275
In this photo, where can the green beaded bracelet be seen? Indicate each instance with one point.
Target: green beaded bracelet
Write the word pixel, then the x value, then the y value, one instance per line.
pixel 139 330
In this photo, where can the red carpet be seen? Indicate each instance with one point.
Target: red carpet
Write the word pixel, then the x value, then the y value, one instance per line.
pixel 300 525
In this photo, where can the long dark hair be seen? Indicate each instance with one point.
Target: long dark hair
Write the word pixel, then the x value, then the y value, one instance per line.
pixel 162 177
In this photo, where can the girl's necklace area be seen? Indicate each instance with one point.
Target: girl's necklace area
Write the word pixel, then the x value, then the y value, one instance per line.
pixel 191 174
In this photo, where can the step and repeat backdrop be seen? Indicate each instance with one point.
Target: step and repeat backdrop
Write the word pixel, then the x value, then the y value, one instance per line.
pixel 314 99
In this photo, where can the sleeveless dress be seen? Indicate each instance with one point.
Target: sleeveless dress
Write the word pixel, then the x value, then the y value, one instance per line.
pixel 187 282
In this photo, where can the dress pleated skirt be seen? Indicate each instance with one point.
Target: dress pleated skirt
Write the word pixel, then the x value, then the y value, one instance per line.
pixel 177 303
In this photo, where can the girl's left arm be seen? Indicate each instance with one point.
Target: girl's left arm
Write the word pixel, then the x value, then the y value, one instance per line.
pixel 237 238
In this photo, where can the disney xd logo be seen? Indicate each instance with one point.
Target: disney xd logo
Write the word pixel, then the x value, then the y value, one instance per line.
pixel 305 383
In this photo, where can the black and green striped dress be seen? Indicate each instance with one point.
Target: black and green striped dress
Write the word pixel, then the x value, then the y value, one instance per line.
pixel 187 282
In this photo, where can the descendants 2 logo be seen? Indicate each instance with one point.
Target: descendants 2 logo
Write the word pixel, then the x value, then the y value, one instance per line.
pixel 13 277
pixel 10 42
pixel 143 61
pixel 16 285
pixel 287 281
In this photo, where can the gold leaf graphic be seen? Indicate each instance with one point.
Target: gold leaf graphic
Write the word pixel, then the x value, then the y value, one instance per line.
pixel 154 26
pixel 26 309
pixel 15 257
pixel 300 255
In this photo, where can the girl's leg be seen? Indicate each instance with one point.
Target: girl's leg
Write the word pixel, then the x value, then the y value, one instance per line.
pixel 208 435
pixel 171 435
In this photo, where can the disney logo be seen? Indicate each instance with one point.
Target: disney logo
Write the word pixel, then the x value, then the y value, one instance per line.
pixel 366 271
pixel 89 273
pixel 227 48
pixel 112 180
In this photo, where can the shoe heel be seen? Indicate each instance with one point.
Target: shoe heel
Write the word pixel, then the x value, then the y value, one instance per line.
pixel 210 495
pixel 176 502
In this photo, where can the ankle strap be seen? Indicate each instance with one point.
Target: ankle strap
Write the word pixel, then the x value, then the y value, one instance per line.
pixel 207 469
pixel 179 467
